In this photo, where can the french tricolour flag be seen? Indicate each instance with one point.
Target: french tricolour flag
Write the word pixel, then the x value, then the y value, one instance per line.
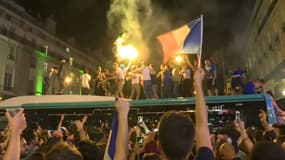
pixel 186 39
pixel 111 145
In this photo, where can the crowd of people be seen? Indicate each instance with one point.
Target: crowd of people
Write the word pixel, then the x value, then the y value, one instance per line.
pixel 145 81
pixel 174 137
pixel 136 81
pixel 148 81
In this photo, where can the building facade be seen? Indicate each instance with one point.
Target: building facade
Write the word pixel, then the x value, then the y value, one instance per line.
pixel 29 48
pixel 266 45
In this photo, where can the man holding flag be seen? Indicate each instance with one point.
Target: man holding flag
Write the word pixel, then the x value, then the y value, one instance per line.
pixel 117 147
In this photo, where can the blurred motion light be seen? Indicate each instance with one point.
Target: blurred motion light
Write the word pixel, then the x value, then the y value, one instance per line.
pixel 128 52
pixel 179 59
pixel 283 92
pixel 124 49
pixel 67 80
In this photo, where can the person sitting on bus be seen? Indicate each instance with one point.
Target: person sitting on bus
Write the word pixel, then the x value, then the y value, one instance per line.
pixel 254 87
pixel 177 145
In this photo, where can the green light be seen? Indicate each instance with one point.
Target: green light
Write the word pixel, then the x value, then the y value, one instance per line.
pixel 40 71
pixel 81 71
pixel 41 54
pixel 40 77
pixel 39 81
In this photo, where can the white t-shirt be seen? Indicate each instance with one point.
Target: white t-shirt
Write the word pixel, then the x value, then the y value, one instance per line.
pixel 135 78
pixel 146 73
pixel 85 79
pixel 187 73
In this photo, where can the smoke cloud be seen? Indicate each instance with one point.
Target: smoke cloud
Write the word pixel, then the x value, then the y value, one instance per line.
pixel 124 17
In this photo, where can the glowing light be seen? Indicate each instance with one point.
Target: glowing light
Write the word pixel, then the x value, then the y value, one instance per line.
pixel 128 52
pixel 179 59
pixel 124 49
pixel 283 92
pixel 67 79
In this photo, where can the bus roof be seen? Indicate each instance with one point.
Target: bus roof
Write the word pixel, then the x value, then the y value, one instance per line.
pixel 73 101
pixel 78 102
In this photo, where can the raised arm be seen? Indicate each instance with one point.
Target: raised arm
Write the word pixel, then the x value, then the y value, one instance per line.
pixel 189 63
pixel 244 141
pixel 16 126
pixel 122 140
pixel 80 128
pixel 128 66
pixel 203 138
pixel 60 122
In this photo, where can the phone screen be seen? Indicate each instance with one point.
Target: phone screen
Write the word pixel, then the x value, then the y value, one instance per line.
pixel 237 116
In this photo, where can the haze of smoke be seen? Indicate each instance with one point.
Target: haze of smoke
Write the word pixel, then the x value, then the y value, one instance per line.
pixel 124 16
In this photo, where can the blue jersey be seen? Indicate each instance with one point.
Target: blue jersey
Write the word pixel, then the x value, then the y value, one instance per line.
pixel 167 77
pixel 249 88
pixel 238 72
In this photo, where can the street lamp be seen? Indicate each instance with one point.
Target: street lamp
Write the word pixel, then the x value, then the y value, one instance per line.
pixel 67 80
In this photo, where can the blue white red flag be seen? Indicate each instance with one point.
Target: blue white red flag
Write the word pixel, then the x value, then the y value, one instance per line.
pixel 186 39
pixel 111 145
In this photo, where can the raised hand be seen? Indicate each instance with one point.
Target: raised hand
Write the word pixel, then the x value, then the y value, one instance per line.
pixel 17 123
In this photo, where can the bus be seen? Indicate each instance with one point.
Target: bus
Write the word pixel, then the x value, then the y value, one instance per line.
pixel 46 110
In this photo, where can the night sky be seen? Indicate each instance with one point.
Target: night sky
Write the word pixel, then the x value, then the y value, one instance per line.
pixel 86 20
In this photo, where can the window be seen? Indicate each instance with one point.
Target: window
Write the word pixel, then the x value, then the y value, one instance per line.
pixel 31 87
pixel 8 17
pixel 270 47
pixel 277 38
pixel 33 43
pixel 33 62
pixel 8 78
pixel 12 31
pixel 12 54
pixel 259 61
pixel 1 11
pixel 30 29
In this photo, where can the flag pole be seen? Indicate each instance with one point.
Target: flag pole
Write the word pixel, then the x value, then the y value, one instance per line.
pixel 201 43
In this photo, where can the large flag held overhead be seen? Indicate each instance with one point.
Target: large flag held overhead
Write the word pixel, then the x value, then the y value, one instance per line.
pixel 111 145
pixel 184 40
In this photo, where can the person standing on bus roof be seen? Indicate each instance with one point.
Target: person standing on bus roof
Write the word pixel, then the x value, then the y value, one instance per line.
pixel 211 71
pixel 85 82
